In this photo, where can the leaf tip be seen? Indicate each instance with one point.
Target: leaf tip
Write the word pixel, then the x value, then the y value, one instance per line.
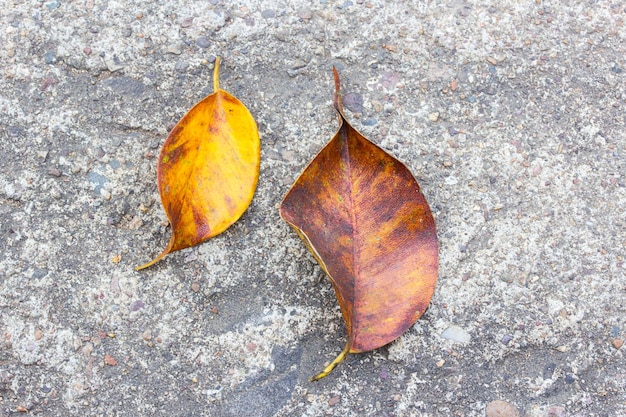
pixel 337 101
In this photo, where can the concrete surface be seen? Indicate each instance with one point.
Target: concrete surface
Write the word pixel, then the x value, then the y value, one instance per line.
pixel 510 114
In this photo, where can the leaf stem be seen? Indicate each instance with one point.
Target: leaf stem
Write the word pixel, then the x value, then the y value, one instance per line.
pixel 161 255
pixel 216 75
pixel 333 364
pixel 152 262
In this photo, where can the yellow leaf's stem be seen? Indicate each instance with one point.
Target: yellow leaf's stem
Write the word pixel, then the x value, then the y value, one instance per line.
pixel 216 75
pixel 161 255
pixel 152 262
pixel 337 102
pixel 332 365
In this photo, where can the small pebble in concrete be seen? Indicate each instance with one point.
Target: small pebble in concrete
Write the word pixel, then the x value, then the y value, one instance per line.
pixel 506 339
pixel 175 48
pixel 305 14
pixel 456 334
pixel 268 13
pixel 87 350
pixel 39 273
pixel 137 305
pixel 499 408
pixel 353 102
pixel 50 57
pixel 615 331
pixel 181 66
pixel 110 360
pixel 203 42
pixel 54 4
pixel 556 411
pixel 54 172
pixel 113 64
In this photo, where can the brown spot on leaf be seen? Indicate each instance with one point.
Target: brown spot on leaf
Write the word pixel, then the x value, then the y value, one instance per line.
pixel 202 227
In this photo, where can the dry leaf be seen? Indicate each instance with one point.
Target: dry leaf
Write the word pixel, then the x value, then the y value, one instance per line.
pixel 208 169
pixel 361 213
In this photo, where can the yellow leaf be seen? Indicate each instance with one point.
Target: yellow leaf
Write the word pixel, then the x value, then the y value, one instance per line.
pixel 208 169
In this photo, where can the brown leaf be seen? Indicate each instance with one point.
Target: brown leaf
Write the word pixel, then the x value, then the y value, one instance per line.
pixel 361 213
pixel 208 169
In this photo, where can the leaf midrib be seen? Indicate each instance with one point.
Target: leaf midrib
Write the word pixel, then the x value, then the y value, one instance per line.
pixel 345 126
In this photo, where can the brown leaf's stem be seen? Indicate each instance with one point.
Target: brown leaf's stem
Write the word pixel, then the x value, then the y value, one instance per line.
pixel 216 75
pixel 337 101
pixel 332 365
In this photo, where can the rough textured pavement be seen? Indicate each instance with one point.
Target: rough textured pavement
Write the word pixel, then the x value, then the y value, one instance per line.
pixel 510 114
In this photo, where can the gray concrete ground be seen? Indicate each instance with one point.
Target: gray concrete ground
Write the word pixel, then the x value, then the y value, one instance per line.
pixel 510 114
